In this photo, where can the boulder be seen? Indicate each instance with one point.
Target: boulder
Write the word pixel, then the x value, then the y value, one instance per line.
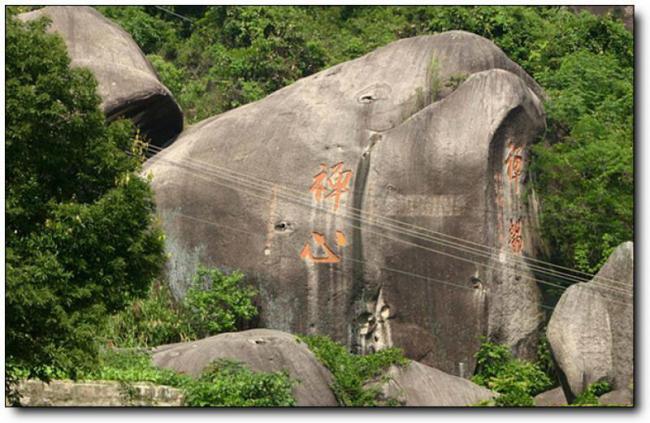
pixel 127 83
pixel 311 191
pixel 552 398
pixel 591 329
pixel 261 350
pixel 617 397
pixel 418 385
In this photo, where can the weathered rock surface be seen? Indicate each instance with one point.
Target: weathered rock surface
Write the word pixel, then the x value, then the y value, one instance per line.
pixel 128 84
pixel 591 330
pixel 617 397
pixel 261 350
pixel 418 385
pixel 553 398
pixel 65 393
pixel 432 131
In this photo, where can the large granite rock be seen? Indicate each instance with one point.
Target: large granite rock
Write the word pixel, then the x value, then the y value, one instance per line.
pixel 591 330
pixel 128 84
pixel 261 350
pixel 418 385
pixel 432 131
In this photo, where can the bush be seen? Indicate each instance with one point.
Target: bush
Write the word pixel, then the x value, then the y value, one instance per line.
pixel 229 384
pixel 81 237
pixel 590 396
pixel 154 320
pixel 515 380
pixel 215 302
pixel 353 372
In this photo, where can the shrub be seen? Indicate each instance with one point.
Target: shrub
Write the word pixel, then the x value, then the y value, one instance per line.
pixel 215 302
pixel 515 380
pixel 590 396
pixel 229 384
pixel 154 320
pixel 353 372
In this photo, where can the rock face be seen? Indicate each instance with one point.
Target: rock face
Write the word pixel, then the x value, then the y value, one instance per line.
pixel 65 393
pixel 261 350
pixel 591 329
pixel 418 385
pixel 128 84
pixel 304 191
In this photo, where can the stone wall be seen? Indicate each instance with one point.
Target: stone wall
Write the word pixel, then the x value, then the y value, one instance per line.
pixel 65 393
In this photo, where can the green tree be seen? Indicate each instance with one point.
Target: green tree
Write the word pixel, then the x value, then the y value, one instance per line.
pixel 81 240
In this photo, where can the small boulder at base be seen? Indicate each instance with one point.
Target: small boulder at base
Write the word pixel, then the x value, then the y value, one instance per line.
pixel 591 330
pixel 261 350
pixel 617 397
pixel 127 83
pixel 418 385
pixel 553 398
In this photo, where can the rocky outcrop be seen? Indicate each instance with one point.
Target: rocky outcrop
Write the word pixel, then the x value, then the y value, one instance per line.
pixel 261 350
pixel 66 393
pixel 311 192
pixel 553 398
pixel 127 83
pixel 591 330
pixel 418 385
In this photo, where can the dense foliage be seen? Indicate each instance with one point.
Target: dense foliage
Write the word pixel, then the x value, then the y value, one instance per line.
pixel 217 58
pixel 215 302
pixel 81 241
pixel 222 384
pixel 516 381
pixel 353 373
pixel 230 384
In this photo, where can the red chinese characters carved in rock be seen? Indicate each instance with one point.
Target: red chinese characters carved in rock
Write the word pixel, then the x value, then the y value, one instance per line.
pixel 514 162
pixel 331 184
pixel 516 240
pixel 329 255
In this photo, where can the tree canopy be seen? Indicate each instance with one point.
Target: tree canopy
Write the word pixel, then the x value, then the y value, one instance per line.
pixel 81 240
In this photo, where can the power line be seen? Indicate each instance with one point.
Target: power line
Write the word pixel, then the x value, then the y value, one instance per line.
pixel 248 191
pixel 450 243
pixel 300 200
pixel 309 205
pixel 171 12
pixel 389 269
